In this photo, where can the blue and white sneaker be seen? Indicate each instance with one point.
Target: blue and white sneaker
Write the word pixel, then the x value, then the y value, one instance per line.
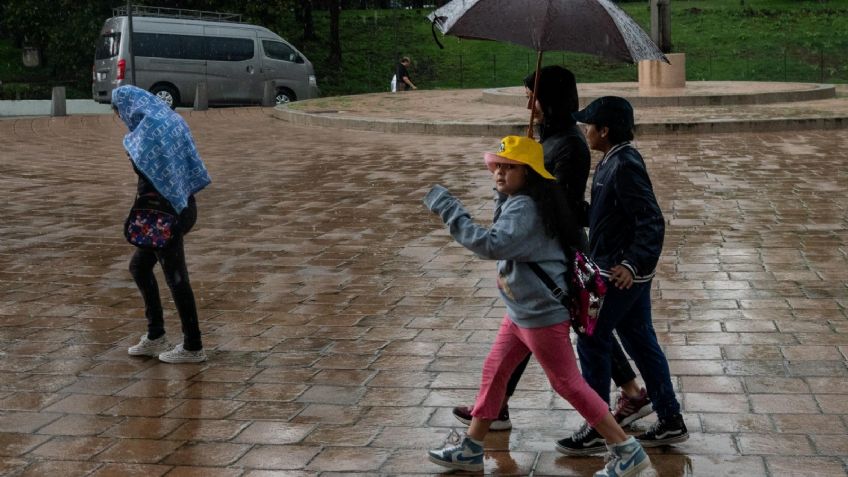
pixel 626 459
pixel 460 452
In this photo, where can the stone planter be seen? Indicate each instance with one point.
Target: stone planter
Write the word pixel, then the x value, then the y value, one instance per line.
pixel 655 75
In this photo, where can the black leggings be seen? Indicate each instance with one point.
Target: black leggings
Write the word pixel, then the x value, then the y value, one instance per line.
pixel 622 373
pixel 172 260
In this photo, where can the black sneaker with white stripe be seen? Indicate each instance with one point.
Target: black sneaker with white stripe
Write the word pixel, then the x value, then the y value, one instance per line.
pixel 585 441
pixel 665 432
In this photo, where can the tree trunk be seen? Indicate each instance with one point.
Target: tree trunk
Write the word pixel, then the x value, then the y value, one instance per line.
pixel 308 24
pixel 335 58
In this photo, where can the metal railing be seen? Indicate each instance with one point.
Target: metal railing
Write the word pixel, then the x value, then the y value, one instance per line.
pixel 163 12
pixel 369 71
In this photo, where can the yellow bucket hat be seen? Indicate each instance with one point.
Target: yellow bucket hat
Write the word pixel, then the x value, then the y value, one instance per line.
pixel 519 150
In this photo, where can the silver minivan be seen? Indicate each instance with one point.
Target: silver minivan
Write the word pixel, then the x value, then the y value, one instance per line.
pixel 172 55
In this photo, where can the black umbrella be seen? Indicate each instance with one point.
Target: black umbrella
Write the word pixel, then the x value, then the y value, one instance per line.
pixel 596 27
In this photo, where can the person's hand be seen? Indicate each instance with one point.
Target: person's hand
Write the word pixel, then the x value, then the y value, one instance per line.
pixel 621 277
pixel 415 87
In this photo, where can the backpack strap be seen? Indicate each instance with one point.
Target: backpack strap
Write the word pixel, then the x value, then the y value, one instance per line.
pixel 558 292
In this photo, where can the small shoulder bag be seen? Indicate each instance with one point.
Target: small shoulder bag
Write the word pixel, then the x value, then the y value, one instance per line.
pixel 586 291
pixel 151 223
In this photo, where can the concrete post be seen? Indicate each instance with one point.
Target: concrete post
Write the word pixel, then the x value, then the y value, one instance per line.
pixel 269 95
pixel 201 97
pixel 57 102
pixel 661 24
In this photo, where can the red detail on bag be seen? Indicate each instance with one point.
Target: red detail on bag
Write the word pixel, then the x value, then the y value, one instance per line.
pixel 151 223
pixel 586 294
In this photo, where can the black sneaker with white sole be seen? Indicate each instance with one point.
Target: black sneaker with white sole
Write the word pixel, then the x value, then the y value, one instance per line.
pixel 585 441
pixel 665 432
pixel 502 423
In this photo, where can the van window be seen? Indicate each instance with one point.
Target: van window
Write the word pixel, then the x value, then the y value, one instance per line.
pixel 163 45
pixel 277 50
pixel 192 47
pixel 228 49
pixel 107 46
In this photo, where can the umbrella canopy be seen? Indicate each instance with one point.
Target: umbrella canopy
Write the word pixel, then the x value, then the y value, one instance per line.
pixel 596 27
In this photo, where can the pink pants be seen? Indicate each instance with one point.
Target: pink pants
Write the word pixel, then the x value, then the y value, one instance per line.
pixel 551 345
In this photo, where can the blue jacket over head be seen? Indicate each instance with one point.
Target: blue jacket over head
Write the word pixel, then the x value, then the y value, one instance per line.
pixel 160 145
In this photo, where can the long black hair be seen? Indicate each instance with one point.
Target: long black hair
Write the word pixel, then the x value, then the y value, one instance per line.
pixel 557 217
pixel 557 94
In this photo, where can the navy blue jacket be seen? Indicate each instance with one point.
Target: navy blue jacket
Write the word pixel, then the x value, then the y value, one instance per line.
pixel 626 225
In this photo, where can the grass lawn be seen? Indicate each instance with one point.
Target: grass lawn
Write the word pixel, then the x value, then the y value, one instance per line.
pixel 758 40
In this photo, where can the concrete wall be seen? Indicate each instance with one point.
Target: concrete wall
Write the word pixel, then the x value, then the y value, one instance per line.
pixel 39 107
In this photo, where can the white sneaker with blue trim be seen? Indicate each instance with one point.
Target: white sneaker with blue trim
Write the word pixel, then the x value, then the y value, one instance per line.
pixel 625 459
pixel 460 452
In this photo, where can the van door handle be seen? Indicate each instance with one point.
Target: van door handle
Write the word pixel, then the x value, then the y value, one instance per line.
pixel 249 69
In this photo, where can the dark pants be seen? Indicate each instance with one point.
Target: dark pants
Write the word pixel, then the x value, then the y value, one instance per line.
pixel 172 260
pixel 622 373
pixel 628 312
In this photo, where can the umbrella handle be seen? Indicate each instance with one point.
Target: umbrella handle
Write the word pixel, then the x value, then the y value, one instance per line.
pixel 533 94
pixel 433 29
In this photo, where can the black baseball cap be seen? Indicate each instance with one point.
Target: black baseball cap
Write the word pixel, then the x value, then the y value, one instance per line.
pixel 610 111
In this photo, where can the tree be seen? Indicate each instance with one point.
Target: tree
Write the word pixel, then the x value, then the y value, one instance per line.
pixel 303 14
pixel 64 31
pixel 335 58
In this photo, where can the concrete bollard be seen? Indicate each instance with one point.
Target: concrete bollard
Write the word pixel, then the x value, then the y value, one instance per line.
pixel 201 97
pixel 269 94
pixel 57 102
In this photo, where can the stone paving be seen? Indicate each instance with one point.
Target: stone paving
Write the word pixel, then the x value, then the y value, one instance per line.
pixel 342 322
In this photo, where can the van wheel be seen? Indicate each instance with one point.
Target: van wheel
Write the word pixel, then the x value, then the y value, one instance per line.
pixel 285 95
pixel 166 93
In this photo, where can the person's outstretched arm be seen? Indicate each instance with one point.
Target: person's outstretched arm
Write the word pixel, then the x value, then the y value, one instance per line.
pixel 510 238
pixel 409 82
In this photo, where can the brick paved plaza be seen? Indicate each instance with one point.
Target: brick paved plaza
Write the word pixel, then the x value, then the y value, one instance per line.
pixel 343 323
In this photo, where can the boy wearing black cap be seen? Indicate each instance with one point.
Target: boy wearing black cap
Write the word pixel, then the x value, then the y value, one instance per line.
pixel 626 229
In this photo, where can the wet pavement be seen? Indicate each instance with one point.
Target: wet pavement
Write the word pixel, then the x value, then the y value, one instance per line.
pixel 342 322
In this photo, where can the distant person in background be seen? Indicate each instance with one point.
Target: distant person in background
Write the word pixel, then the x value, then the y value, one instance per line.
pixel 401 81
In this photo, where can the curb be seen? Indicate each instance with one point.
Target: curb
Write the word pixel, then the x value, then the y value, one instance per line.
pixel 41 107
pixel 814 92
pixel 452 128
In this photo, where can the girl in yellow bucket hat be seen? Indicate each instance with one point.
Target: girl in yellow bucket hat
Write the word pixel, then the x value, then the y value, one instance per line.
pixel 533 225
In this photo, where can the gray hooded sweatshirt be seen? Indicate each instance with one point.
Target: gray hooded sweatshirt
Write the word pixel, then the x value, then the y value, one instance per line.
pixel 516 238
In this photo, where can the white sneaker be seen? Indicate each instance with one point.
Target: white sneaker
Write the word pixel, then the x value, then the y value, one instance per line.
pixel 180 355
pixel 148 347
pixel 625 459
